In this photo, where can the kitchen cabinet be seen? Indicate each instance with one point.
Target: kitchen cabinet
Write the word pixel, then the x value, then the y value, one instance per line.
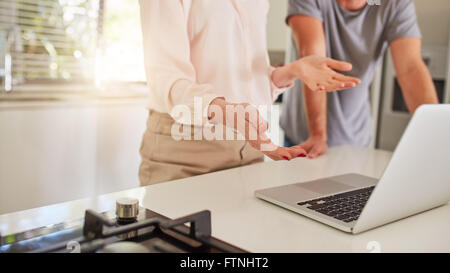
pixel 55 151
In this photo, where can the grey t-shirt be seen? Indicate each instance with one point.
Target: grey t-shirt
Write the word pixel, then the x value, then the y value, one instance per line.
pixel 359 37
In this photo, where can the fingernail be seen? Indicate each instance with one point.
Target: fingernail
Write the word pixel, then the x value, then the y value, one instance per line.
pixel 302 155
pixel 286 158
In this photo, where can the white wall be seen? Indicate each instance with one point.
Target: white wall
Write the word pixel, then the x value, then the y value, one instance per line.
pixel 56 153
pixel 276 28
pixel 434 20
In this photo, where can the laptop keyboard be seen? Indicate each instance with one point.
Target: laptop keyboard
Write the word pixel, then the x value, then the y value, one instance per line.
pixel 344 206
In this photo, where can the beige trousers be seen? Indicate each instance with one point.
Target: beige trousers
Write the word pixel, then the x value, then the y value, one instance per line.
pixel 165 159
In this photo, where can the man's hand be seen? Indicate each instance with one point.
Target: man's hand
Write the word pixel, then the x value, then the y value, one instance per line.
pixel 317 73
pixel 247 120
pixel 314 146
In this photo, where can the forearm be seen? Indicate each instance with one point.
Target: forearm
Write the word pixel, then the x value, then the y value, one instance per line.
pixel 315 102
pixel 309 38
pixel 316 112
pixel 417 87
pixel 412 73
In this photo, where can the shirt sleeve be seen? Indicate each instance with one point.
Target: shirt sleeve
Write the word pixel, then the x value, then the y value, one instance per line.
pixel 304 7
pixel 170 74
pixel 274 89
pixel 402 21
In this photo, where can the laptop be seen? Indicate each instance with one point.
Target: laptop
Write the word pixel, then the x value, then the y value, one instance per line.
pixel 416 179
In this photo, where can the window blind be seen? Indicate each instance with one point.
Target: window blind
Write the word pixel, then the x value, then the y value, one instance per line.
pixel 50 40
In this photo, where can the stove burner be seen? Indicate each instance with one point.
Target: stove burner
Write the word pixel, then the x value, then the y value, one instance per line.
pixel 104 232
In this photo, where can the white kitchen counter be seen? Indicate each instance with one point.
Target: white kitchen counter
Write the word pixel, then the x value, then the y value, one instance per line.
pixel 255 225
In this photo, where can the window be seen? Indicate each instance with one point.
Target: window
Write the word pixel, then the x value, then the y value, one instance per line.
pixel 123 58
pixel 69 42
pixel 48 40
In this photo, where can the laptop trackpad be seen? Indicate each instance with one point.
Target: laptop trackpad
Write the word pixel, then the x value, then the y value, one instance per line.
pixel 325 186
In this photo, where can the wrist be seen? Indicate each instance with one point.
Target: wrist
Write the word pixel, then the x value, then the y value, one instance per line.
pixel 319 136
pixel 296 69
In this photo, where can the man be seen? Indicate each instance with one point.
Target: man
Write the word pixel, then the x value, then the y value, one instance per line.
pixel 359 33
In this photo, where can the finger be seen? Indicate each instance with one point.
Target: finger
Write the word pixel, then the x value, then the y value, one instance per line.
pixel 272 157
pixel 344 78
pixel 348 85
pixel 334 85
pixel 285 154
pixel 251 134
pixel 296 151
pixel 301 152
pixel 305 146
pixel 259 122
pixel 253 116
pixel 260 142
pixel 277 157
pixel 338 65
pixel 263 124
pixel 279 154
pixel 266 145
pixel 315 152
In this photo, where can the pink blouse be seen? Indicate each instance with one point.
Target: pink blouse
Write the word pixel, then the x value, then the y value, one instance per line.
pixel 206 49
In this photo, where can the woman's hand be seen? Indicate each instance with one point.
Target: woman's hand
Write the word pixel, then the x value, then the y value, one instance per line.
pixel 247 120
pixel 243 117
pixel 286 153
pixel 317 73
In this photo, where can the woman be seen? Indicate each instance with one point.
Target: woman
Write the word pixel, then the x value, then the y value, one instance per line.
pixel 212 56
